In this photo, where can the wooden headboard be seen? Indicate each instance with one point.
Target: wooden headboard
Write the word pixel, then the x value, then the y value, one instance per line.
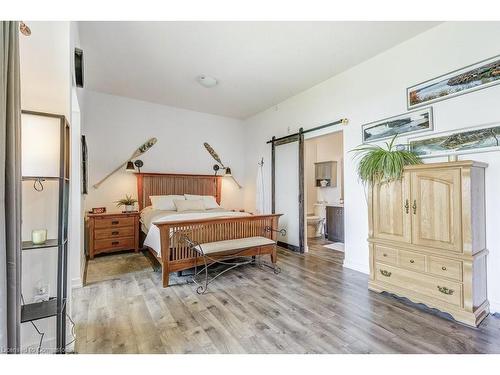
pixel 149 184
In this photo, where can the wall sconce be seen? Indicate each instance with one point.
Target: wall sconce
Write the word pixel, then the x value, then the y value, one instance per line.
pixel 130 165
pixel 227 173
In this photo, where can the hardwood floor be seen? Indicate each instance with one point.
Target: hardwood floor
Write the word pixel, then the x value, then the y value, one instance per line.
pixel 314 306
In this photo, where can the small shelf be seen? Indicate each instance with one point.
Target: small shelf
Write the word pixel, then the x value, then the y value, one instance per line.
pixel 39 310
pixel 46 178
pixel 28 245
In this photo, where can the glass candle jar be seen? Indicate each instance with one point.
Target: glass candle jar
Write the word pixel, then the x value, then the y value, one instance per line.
pixel 39 236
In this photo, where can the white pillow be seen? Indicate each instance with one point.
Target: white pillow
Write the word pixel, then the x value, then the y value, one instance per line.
pixel 188 205
pixel 165 202
pixel 208 200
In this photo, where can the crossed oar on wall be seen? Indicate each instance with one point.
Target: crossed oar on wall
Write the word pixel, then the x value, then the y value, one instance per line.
pixel 141 150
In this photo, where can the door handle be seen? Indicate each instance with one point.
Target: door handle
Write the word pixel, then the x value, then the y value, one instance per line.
pixel 407 206
pixel 414 207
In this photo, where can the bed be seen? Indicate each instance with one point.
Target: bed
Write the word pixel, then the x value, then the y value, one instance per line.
pixel 164 231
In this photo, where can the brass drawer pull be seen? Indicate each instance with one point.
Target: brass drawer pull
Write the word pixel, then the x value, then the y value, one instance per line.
pixel 115 243
pixel 414 207
pixel 445 290
pixel 386 273
pixel 385 254
pixel 443 268
pixel 407 206
pixel 114 233
pixel 412 261
pixel 114 222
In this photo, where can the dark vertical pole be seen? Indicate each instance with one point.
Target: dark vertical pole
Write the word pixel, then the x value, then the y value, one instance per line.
pixel 301 190
pixel 60 239
pixel 273 176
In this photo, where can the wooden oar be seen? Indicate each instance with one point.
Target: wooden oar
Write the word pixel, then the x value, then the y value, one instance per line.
pixel 141 150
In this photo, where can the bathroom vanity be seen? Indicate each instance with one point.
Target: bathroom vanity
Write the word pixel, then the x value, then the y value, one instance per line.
pixel 335 222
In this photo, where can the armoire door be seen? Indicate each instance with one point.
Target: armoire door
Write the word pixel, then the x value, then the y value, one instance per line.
pixel 436 209
pixel 391 210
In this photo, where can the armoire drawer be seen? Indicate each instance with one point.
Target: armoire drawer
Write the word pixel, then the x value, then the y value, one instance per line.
pixel 443 290
pixel 385 254
pixel 411 260
pixel 445 267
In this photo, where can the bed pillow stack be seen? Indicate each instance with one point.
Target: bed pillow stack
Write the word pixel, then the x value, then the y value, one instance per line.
pixel 165 202
pixel 208 200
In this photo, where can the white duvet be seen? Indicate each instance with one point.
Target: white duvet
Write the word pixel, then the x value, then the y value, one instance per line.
pixel 153 237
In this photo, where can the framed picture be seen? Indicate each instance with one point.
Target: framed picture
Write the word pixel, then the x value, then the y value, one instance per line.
pixel 466 141
pixel 471 78
pixel 410 122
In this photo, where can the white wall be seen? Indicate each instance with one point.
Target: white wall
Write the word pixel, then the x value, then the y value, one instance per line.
pixel 76 222
pixel 45 87
pixel 374 90
pixel 116 126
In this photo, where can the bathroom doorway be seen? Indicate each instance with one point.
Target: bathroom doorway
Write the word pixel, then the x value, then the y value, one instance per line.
pixel 324 195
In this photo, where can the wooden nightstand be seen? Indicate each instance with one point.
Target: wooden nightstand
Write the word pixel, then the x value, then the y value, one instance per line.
pixel 112 232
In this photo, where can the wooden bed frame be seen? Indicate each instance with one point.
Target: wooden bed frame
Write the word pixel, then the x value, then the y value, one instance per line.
pixel 176 255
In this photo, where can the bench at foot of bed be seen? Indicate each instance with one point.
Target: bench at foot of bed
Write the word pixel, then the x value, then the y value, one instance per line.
pixel 222 238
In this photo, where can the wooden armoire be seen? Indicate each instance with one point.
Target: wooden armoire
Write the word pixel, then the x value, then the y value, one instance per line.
pixel 427 238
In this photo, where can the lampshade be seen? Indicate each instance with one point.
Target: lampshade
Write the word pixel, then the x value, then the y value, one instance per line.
pixel 130 166
pixel 228 172
pixel 40 145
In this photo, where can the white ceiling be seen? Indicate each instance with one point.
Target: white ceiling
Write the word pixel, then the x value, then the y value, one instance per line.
pixel 258 64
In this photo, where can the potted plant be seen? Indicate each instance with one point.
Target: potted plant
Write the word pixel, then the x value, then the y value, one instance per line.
pixel 128 202
pixel 379 164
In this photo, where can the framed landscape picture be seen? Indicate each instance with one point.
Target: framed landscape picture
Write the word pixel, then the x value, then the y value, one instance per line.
pixel 410 122
pixel 471 78
pixel 467 141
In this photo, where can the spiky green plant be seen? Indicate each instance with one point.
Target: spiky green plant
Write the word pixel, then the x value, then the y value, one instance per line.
pixel 127 201
pixel 380 164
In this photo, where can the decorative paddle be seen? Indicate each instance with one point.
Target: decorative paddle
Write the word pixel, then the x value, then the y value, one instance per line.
pixel 141 150
pixel 212 152
pixel 216 157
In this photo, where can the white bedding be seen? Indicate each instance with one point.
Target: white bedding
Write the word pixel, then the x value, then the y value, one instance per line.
pixel 153 237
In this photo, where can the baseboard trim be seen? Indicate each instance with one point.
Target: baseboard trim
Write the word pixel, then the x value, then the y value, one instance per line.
pixel 360 267
pixel 288 246
pixel 494 307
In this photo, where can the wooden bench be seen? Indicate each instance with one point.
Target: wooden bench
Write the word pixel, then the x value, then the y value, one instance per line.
pixel 230 253
pixel 177 254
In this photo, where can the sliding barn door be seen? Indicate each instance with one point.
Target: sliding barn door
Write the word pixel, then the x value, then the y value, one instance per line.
pixel 288 181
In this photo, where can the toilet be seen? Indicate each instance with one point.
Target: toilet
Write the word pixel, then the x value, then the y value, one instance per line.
pixel 316 222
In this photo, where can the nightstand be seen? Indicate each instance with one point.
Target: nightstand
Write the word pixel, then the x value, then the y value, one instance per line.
pixel 112 232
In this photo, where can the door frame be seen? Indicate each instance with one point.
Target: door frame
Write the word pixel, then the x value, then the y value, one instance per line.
pixel 299 137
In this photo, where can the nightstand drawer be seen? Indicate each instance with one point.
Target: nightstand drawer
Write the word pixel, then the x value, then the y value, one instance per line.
pixel 100 234
pixel 111 244
pixel 112 222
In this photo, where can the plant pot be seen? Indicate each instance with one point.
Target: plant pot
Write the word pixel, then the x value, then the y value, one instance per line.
pixel 129 208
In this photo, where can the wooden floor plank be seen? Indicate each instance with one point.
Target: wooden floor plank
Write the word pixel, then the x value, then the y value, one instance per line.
pixel 314 305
